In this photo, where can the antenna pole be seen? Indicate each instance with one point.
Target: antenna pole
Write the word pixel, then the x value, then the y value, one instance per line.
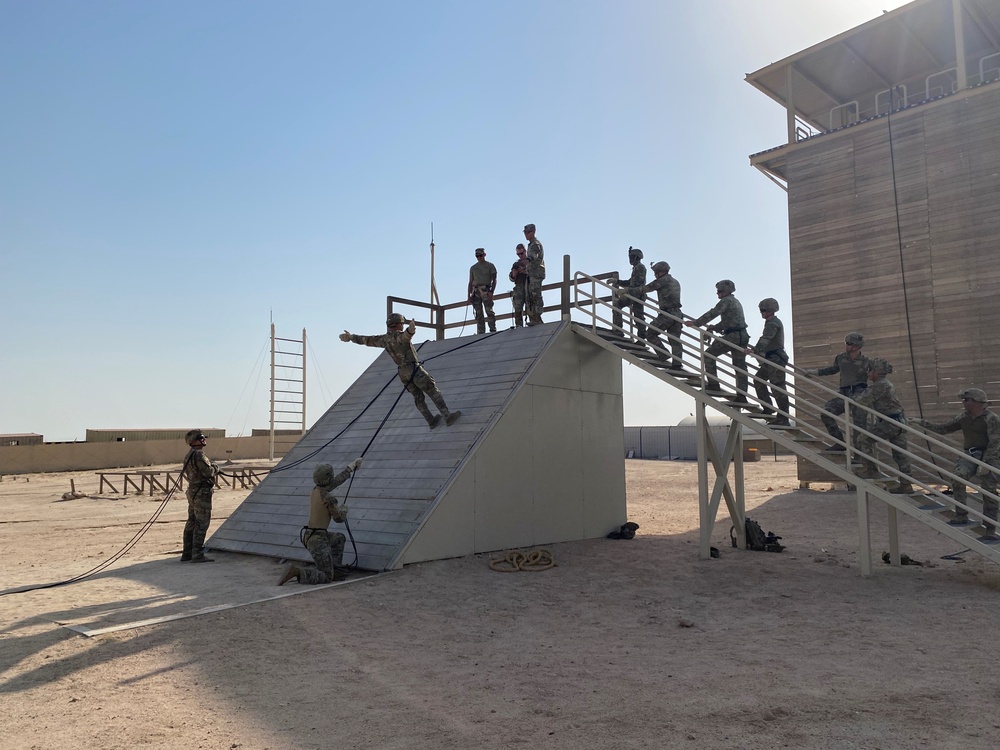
pixel 435 300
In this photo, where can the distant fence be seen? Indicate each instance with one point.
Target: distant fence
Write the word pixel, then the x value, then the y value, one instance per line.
pixel 33 459
pixel 681 442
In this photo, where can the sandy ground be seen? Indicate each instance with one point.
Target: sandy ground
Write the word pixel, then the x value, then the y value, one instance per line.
pixel 625 644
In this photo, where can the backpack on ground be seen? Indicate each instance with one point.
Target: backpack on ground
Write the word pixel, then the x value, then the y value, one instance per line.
pixel 757 540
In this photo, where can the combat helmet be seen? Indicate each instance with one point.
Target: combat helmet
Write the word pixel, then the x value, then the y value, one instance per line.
pixel 976 394
pixel 323 475
pixel 854 339
pixel 396 319
pixel 878 364
pixel 769 304
pixel 661 266
pixel 635 251
pixel 191 435
pixel 726 286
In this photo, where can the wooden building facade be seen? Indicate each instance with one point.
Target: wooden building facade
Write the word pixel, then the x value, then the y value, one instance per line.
pixel 892 169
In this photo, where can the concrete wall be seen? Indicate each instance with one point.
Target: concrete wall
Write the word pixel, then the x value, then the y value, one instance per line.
pixel 33 459
pixel 139 435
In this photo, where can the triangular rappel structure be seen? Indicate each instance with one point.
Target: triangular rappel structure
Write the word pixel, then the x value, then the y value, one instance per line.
pixel 536 457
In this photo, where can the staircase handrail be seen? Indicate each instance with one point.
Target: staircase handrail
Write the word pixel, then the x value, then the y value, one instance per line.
pixel 814 408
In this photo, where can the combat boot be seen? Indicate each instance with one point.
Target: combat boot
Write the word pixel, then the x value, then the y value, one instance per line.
pixel 432 419
pixel 991 528
pixel 451 417
pixel 290 572
pixel 188 542
pixel 902 488
pixel 867 471
pixel 198 547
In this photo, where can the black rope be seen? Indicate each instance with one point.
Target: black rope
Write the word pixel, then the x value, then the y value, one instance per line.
pixel 899 244
pixel 902 273
pixel 146 526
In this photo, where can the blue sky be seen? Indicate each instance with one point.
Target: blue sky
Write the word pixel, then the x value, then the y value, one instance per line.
pixel 172 174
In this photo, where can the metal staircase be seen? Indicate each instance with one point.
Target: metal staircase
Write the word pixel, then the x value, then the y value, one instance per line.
pixel 932 459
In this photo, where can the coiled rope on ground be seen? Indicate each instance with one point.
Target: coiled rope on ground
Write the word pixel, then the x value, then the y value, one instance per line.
pixel 517 560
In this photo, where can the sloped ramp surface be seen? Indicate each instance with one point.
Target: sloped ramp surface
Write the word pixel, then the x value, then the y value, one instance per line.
pixel 408 466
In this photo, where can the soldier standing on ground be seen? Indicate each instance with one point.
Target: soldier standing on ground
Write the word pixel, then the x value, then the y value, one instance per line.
pixel 981 432
pixel 771 346
pixel 636 280
pixel 200 474
pixel 668 299
pixel 881 397
pixel 536 275
pixel 733 340
pixel 519 275
pixel 326 548
pixel 397 343
pixel 482 284
pixel 853 368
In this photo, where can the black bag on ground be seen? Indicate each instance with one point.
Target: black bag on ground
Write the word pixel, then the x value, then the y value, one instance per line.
pixel 757 540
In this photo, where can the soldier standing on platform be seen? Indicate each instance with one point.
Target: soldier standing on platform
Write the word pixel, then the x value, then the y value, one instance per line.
pixel 732 339
pixel 519 275
pixel 397 343
pixel 200 474
pixel 482 284
pixel 637 280
pixel 536 275
pixel 326 548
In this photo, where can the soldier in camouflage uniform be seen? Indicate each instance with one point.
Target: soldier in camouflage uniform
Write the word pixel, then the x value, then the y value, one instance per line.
pixel 200 474
pixel 853 368
pixel 771 346
pixel 482 284
pixel 636 280
pixel 668 298
pixel 733 340
pixel 981 432
pixel 881 397
pixel 397 343
pixel 519 275
pixel 536 275
pixel 326 548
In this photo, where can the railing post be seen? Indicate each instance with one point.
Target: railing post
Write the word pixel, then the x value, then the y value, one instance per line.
pixel 564 301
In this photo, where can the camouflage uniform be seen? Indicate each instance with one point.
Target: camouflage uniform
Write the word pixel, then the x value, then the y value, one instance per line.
pixel 668 298
pixel 200 474
pixel 636 281
pixel 536 275
pixel 414 376
pixel 853 382
pixel 881 396
pixel 326 547
pixel 519 295
pixel 771 346
pixel 981 440
pixel 733 341
pixel 482 283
